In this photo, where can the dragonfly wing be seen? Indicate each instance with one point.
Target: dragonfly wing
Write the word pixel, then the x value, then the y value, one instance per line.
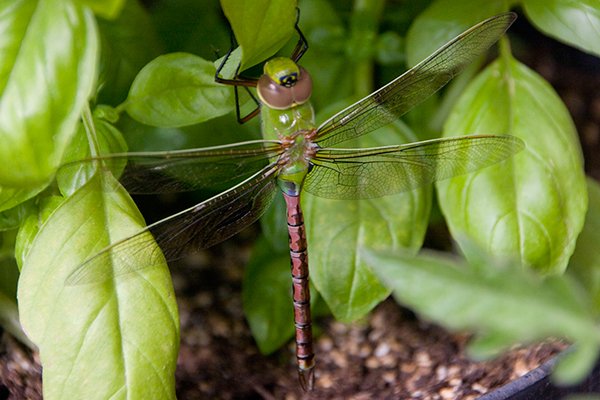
pixel 415 85
pixel 184 170
pixel 203 225
pixel 379 171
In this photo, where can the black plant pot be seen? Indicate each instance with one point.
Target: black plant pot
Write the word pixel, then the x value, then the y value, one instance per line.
pixel 537 385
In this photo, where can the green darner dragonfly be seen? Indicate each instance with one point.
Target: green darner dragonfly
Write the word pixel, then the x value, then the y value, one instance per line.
pixel 296 155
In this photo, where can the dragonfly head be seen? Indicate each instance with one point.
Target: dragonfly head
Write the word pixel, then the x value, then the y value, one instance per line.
pixel 284 84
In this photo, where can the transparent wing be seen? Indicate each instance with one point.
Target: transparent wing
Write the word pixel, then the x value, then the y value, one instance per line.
pixel 415 85
pixel 184 170
pixel 203 225
pixel 379 171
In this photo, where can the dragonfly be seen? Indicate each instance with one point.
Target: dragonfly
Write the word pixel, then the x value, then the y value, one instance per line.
pixel 294 156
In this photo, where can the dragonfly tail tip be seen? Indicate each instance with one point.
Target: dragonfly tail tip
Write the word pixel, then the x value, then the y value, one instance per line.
pixel 307 379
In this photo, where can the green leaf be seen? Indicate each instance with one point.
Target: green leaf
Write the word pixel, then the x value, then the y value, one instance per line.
pixel 337 229
pixel 267 297
pixel 12 197
pixel 71 177
pixel 585 263
pixel 261 27
pixel 9 275
pixel 196 27
pixel 232 61
pixel 108 9
pixel 116 338
pixel 13 217
pixel 390 49
pixel 442 21
pixel 9 272
pixel 577 363
pixel 122 56
pixel 501 301
pixel 274 225
pixel 175 90
pixel 530 207
pixel 32 224
pixel 576 23
pixel 49 54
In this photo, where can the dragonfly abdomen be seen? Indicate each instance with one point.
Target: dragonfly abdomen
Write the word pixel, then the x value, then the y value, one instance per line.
pixel 300 291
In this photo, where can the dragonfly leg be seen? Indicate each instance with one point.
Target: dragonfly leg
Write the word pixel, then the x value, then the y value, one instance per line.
pixel 305 355
pixel 302 44
pixel 237 81
pixel 252 113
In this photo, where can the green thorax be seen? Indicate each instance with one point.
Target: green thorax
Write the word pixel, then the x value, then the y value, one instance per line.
pixel 277 124
pixel 290 124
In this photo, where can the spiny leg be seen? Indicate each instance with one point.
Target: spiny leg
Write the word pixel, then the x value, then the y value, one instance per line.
pixel 302 44
pixel 237 81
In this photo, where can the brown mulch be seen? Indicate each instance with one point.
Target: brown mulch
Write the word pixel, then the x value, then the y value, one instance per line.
pixel 391 354
pixel 20 371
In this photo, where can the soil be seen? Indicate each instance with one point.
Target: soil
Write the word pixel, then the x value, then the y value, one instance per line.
pixel 390 354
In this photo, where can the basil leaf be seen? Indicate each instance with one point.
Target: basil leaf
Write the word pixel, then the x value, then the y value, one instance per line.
pixel 49 55
pixel 532 206
pixel 337 229
pixel 79 169
pixel 105 8
pixel 585 263
pixel 576 23
pixel 177 89
pixel 503 303
pixel 261 27
pixel 98 340
pixel 442 21
pixel 267 298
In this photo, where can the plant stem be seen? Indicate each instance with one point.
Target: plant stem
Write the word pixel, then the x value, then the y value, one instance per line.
pixel 507 79
pixel 121 107
pixel 505 51
pixel 90 130
pixel 364 26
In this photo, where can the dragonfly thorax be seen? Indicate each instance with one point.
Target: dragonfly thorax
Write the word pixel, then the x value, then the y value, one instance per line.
pixel 294 128
pixel 295 162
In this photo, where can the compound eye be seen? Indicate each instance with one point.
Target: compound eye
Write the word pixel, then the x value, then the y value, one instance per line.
pixel 274 95
pixel 289 80
pixel 303 87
